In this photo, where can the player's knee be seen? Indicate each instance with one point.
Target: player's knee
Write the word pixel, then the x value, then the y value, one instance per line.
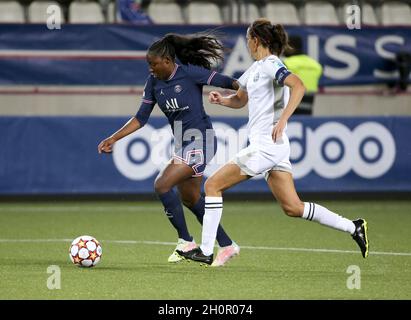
pixel 211 186
pixel 161 186
pixel 293 209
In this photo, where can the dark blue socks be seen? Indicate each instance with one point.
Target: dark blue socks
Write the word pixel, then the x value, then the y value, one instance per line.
pixel 174 211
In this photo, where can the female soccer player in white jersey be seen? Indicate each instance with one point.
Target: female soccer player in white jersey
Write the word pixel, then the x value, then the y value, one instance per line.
pixel 272 93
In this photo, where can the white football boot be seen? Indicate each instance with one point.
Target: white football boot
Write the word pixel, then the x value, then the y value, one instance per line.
pixel 182 245
pixel 226 253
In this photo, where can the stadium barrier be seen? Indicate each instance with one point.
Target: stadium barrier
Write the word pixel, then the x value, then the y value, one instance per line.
pixel 58 155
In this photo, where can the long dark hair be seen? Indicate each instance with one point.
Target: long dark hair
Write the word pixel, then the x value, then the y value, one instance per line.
pixel 274 37
pixel 198 49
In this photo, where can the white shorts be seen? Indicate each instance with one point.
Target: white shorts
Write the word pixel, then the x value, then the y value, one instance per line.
pixel 263 156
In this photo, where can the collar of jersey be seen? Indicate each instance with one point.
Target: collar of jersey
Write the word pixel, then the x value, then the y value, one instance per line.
pixel 262 60
pixel 173 73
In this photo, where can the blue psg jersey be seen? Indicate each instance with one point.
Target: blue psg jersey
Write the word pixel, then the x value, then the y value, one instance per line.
pixel 180 97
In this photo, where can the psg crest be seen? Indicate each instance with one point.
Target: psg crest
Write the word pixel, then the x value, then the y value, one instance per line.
pixel 178 88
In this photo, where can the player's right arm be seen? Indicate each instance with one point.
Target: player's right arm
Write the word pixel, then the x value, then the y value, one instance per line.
pixel 234 101
pixel 131 125
pixel 138 121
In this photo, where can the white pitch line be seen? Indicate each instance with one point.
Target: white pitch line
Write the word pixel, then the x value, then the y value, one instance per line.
pixel 82 208
pixel 161 243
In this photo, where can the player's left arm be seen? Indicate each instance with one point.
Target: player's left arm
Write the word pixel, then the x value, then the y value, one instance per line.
pixel 204 76
pixel 223 81
pixel 277 71
pixel 297 91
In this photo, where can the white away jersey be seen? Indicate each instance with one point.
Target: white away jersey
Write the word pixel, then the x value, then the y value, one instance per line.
pixel 267 96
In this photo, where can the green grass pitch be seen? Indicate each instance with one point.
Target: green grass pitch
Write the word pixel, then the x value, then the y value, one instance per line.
pixel 281 257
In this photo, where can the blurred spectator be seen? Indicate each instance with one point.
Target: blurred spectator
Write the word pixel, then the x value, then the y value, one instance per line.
pixel 133 11
pixel 308 69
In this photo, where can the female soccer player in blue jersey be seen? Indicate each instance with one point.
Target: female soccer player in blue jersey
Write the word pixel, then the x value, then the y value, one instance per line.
pixel 176 86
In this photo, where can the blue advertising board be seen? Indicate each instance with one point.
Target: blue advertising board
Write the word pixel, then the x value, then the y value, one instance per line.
pixel 58 155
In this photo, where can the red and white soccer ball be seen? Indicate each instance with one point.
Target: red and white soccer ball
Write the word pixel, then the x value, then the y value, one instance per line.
pixel 85 251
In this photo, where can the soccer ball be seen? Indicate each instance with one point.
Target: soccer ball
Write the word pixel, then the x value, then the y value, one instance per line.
pixel 85 251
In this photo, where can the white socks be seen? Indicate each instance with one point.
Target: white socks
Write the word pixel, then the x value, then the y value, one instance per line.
pixel 315 212
pixel 211 220
pixel 312 212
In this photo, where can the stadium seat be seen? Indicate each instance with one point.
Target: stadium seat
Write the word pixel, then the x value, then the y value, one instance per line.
pixel 37 11
pixel 85 12
pixel 165 13
pixel 111 12
pixel 282 12
pixel 249 13
pixel 368 15
pixel 11 11
pixel 320 12
pixel 204 13
pixel 396 13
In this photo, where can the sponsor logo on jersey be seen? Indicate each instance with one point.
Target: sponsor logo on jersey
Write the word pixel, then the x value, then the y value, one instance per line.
pixel 172 105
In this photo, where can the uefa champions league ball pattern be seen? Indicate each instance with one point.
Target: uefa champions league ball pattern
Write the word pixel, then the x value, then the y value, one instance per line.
pixel 85 251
